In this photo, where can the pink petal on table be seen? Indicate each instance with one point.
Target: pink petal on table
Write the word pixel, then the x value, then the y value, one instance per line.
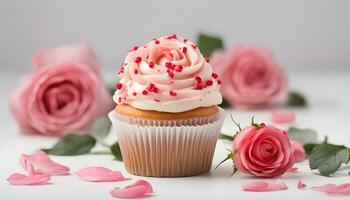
pixel 301 185
pixel 333 189
pixel 262 186
pixel 36 179
pixel 293 170
pixel 100 174
pixel 143 183
pixel 43 164
pixel 278 116
pixel 135 190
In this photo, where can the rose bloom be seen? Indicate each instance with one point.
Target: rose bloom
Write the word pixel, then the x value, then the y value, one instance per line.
pixel 250 77
pixel 265 151
pixel 64 94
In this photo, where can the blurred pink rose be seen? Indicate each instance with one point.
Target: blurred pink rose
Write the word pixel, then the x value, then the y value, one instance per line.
pixel 265 151
pixel 65 93
pixel 251 77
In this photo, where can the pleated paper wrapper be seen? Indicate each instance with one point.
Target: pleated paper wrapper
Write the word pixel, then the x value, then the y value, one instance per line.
pixel 161 148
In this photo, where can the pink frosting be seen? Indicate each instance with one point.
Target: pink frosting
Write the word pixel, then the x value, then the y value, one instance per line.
pixel 168 74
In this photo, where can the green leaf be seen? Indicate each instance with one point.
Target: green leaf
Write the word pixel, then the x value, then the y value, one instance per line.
pixel 72 144
pixel 225 104
pixel 309 147
pixel 296 99
pixel 207 44
pixel 327 158
pixel 115 148
pixel 100 128
pixel 226 137
pixel 305 136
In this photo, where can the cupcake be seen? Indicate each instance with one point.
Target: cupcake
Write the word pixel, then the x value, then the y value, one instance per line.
pixel 167 119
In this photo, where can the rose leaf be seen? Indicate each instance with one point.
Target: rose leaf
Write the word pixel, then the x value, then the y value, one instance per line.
pixel 327 158
pixel 304 136
pixel 115 148
pixel 207 44
pixel 72 144
pixel 296 99
pixel 100 128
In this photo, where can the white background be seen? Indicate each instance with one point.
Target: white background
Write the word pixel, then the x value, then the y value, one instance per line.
pixel 304 35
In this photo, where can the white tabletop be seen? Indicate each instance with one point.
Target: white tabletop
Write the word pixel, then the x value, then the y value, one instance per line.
pixel 328 113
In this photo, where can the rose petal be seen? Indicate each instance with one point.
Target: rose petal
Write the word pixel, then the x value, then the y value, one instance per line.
pixel 42 164
pixel 333 189
pixel 262 186
pixel 301 185
pixel 21 179
pixel 293 170
pixel 143 183
pixel 100 174
pixel 135 190
pixel 278 116
pixel 298 151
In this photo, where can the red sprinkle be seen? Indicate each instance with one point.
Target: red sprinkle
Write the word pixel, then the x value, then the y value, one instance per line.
pixel 157 100
pixel 198 87
pixel 179 68
pixel 198 79
pixel 134 93
pixel 119 86
pixel 185 40
pixel 171 74
pixel 206 59
pixel 172 93
pixel 172 36
pixel 151 64
pixel 184 49
pixel 219 82
pixel 136 71
pixel 214 75
pixel 209 82
pixel 170 65
pixel 144 92
pixel 138 59
pixel 134 48
pixel 194 46
pixel 156 41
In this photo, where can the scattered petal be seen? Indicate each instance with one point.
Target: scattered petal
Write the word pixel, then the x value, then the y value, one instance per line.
pixel 333 189
pixel 293 170
pixel 135 190
pixel 142 182
pixel 278 116
pixel 100 174
pixel 21 179
pixel 262 186
pixel 298 151
pixel 301 185
pixel 43 164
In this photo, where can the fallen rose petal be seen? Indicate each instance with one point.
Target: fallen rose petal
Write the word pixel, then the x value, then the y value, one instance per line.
pixel 21 179
pixel 135 190
pixel 333 189
pixel 298 151
pixel 301 185
pixel 143 183
pixel 293 170
pixel 100 174
pixel 43 164
pixel 278 116
pixel 262 186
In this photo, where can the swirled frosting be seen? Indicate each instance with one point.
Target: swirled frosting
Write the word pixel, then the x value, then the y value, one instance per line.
pixel 168 74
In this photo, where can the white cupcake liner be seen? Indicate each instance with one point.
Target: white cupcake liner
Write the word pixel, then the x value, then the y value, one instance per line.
pixel 165 148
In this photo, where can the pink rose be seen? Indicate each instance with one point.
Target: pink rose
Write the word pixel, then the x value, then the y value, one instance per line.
pixel 251 77
pixel 64 93
pixel 265 151
pixel 298 151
